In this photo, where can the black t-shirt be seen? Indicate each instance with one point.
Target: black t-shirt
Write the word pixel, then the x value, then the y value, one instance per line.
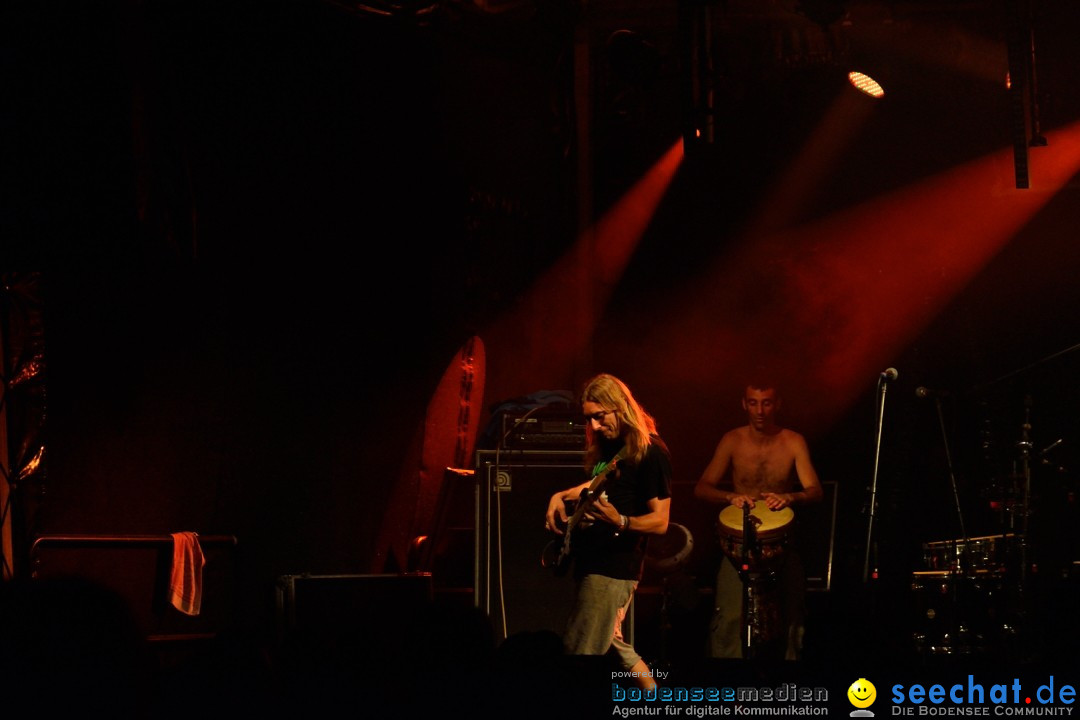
pixel 596 549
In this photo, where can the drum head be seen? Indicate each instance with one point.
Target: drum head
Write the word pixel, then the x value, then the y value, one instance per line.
pixel 665 553
pixel 766 520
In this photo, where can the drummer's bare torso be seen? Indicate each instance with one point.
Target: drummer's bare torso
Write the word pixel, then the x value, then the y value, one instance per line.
pixel 762 462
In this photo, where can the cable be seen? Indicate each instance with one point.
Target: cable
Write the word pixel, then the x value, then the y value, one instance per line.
pixel 498 515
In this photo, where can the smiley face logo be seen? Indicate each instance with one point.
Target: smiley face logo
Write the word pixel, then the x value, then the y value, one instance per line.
pixel 862 693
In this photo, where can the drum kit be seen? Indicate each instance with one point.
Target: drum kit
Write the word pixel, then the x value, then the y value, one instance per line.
pixel 966 597
pixel 973 594
pixel 754 538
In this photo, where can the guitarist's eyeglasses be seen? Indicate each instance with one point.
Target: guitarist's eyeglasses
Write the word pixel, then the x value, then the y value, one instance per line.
pixel 599 416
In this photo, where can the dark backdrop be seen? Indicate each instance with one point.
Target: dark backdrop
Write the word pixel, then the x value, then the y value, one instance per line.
pixel 265 229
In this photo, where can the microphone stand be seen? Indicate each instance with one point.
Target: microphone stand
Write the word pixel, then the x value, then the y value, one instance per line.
pixel 1025 446
pixel 1016 584
pixel 749 547
pixel 963 558
pixel 882 385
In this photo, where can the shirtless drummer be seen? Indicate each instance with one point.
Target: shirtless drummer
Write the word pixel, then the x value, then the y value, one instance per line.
pixel 760 460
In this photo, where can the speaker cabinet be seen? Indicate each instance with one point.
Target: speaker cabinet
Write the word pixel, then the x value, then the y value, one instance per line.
pixel 512 587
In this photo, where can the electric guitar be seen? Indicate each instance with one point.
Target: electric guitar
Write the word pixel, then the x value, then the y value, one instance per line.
pixel 557 556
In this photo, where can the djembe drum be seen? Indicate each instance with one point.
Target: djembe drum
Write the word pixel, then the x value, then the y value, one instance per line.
pixel 757 560
pixel 771 529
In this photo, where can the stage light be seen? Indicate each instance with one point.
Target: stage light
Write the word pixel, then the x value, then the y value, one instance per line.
pixel 866 84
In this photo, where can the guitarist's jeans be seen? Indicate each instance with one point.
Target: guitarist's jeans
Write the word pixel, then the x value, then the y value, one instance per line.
pixel 595 623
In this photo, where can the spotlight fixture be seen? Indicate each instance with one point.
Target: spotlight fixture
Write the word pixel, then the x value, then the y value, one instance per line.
pixel 866 84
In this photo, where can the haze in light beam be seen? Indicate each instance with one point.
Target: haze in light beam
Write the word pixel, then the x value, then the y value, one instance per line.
pixel 831 303
pixel 544 339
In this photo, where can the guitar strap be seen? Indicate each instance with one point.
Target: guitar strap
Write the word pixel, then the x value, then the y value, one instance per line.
pixel 600 467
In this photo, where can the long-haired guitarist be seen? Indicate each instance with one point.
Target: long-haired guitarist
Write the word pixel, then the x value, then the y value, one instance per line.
pixel 629 498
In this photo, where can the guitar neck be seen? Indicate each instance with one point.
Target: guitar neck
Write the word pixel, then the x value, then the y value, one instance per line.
pixel 580 509
pixel 585 500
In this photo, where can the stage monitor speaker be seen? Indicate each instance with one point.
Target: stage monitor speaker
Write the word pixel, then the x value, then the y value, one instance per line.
pixel 343 614
pixel 512 587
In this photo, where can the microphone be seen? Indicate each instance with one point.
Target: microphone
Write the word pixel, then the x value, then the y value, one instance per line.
pixel 890 374
pixel 924 392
